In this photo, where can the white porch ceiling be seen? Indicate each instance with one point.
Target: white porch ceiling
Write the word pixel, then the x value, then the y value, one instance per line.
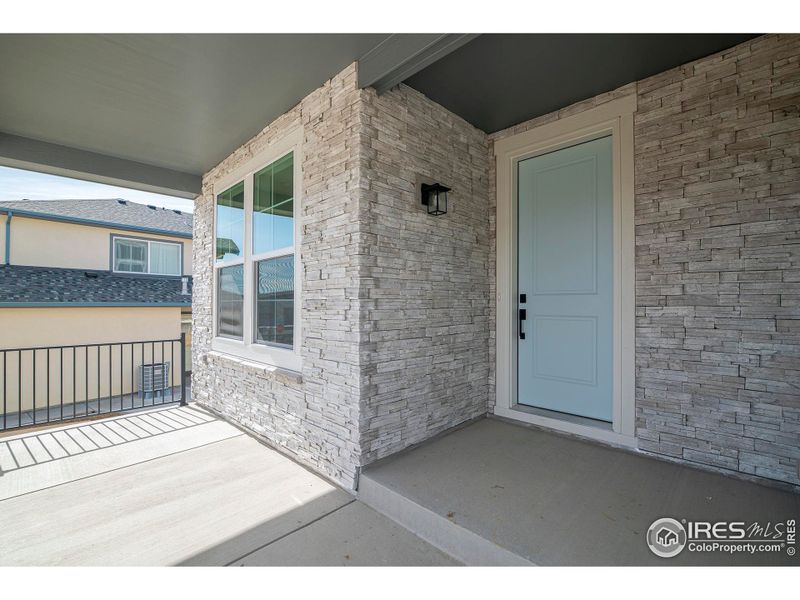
pixel 179 102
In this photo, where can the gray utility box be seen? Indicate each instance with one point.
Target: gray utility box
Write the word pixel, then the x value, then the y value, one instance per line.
pixel 154 378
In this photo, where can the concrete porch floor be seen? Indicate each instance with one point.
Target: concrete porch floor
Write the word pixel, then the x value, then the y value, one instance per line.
pixel 495 492
pixel 176 486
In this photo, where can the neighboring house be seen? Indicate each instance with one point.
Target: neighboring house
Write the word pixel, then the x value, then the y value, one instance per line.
pixel 75 272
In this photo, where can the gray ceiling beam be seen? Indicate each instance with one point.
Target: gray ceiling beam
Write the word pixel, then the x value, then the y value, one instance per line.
pixel 402 55
pixel 44 157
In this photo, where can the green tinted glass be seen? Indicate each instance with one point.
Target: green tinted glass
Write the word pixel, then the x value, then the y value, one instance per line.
pixel 230 223
pixel 273 206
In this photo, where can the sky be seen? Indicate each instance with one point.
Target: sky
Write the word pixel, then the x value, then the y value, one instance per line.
pixel 16 184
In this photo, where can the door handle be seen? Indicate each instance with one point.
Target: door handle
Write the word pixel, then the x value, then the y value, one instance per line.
pixel 523 315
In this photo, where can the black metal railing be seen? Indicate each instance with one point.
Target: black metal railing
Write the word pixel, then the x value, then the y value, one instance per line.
pixel 60 383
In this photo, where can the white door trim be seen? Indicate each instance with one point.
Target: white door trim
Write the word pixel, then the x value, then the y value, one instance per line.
pixel 615 118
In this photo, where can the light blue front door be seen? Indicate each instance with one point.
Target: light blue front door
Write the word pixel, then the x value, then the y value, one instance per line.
pixel 565 270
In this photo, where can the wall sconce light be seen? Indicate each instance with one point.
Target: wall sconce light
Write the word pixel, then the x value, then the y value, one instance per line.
pixel 435 198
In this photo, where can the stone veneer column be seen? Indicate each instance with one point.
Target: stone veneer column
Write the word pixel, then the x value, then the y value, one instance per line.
pixel 314 416
pixel 426 280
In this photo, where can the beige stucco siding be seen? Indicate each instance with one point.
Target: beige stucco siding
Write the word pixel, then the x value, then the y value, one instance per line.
pixel 45 243
pixel 40 327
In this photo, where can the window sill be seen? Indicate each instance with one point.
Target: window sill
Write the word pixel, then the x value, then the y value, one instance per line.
pixel 286 374
pixel 285 363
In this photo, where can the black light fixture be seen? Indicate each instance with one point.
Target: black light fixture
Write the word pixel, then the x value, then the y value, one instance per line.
pixel 435 198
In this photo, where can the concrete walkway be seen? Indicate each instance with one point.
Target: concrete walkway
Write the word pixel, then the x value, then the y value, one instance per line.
pixel 176 486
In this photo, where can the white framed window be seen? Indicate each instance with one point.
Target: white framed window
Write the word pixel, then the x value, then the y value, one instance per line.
pixel 256 265
pixel 146 256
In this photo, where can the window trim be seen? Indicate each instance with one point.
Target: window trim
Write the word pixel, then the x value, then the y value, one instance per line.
pixel 247 348
pixel 113 255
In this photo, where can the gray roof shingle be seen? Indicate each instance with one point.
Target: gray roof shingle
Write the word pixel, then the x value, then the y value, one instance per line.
pixel 53 286
pixel 115 212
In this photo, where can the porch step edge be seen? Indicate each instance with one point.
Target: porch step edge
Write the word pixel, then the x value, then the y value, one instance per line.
pixel 453 539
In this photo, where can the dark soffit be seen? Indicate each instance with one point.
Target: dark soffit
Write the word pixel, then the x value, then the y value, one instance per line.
pixel 499 80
